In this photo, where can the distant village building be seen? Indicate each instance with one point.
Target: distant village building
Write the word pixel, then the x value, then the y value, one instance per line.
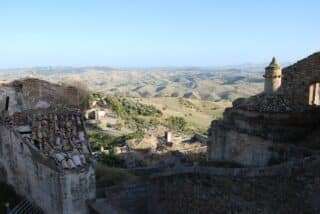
pixel 95 114
pixel 168 136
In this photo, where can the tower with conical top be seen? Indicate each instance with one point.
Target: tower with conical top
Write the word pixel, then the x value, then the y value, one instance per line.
pixel 272 75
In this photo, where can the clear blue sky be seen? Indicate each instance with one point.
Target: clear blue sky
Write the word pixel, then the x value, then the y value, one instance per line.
pixel 156 32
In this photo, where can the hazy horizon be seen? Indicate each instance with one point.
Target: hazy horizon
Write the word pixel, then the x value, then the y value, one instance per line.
pixel 156 34
pixel 226 66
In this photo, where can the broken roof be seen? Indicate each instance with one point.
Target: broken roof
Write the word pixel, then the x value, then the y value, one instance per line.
pixel 59 135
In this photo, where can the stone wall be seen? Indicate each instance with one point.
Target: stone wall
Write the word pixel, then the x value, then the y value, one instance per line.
pixel 232 146
pixel 272 77
pixel 255 138
pixel 14 100
pixel 298 77
pixel 261 128
pixel 292 187
pixel 132 200
pixel 20 101
pixel 271 85
pixel 33 176
pixel 196 193
pixel 77 189
pixel 44 149
pixel 32 93
pixel 29 177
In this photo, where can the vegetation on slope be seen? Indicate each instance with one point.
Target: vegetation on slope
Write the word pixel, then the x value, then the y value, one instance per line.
pixel 127 108
pixel 138 116
pixel 112 159
pixel 197 114
pixel 100 139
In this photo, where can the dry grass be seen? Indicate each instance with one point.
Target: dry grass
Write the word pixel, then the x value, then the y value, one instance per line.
pixel 197 113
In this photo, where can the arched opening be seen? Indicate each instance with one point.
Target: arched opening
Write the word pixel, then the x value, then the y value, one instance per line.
pixel 314 94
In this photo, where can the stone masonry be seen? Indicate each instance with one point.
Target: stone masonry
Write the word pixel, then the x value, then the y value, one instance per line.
pixel 280 124
pixel 44 150
pixel 272 77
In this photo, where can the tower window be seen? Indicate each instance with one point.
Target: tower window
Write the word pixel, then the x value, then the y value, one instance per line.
pixel 314 94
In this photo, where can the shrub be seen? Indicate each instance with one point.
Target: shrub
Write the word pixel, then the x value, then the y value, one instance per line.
pixel 99 139
pixel 112 160
pixel 127 108
pixel 108 176
pixel 97 95
pixel 176 123
pixel 138 135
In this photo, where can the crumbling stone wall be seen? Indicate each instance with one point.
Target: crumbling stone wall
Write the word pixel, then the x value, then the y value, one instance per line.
pixel 233 146
pixel 298 77
pixel 29 177
pixel 261 128
pixel 3 174
pixel 33 176
pixel 44 150
pixel 14 100
pixel 291 187
pixel 255 138
pixel 72 95
pixel 77 189
pixel 196 193
pixel 36 93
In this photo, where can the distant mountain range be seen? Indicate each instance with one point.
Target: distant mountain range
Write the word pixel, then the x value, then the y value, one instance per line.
pixel 252 67
pixel 212 84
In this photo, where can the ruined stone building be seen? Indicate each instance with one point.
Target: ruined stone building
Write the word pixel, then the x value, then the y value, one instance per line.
pixel 280 124
pixel 44 150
